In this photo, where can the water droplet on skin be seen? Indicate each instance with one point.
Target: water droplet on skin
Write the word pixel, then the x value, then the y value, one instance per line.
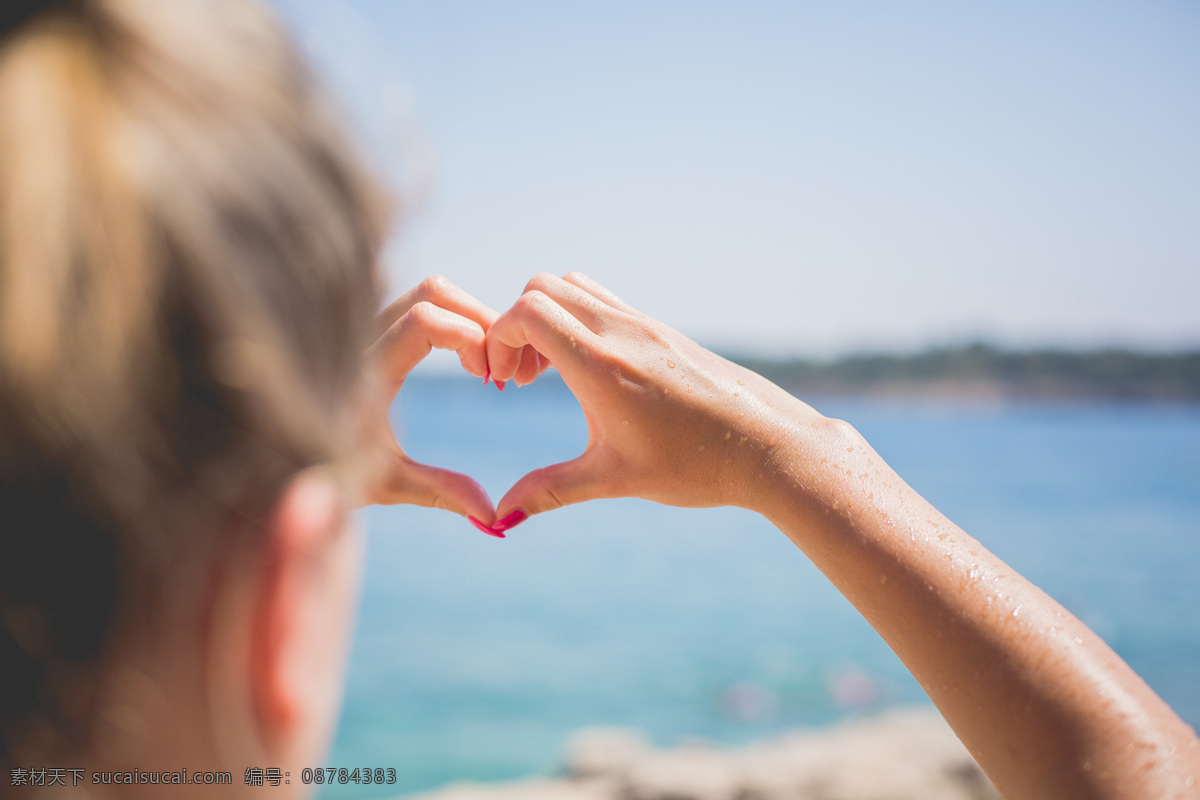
pixel 666 391
pixel 1078 640
pixel 735 394
pixel 741 384
pixel 1087 766
pixel 703 448
pixel 883 580
pixel 666 345
pixel 625 422
pixel 741 441
pixel 849 449
pixel 671 364
pixel 1017 611
pixel 728 434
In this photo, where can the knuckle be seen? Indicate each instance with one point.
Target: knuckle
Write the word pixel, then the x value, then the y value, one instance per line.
pixel 533 301
pixel 647 330
pixel 550 499
pixel 422 313
pixel 435 286
pixel 541 281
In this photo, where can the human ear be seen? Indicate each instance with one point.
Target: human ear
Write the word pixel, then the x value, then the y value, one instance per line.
pixel 302 600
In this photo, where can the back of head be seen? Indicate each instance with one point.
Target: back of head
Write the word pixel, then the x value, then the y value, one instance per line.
pixel 187 249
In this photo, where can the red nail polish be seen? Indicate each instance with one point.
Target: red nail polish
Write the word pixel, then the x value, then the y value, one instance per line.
pixel 511 521
pixel 488 377
pixel 488 529
pixel 500 385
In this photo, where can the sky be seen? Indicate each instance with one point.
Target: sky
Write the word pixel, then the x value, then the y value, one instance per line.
pixel 792 178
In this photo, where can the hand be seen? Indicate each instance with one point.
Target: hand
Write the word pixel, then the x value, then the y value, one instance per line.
pixel 434 314
pixel 1036 696
pixel 667 420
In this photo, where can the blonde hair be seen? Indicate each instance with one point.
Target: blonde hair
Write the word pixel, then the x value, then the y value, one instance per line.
pixel 187 279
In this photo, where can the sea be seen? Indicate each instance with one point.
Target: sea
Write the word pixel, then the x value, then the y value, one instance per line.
pixel 477 658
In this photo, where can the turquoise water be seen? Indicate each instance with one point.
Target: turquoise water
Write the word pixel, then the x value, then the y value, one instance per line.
pixel 476 657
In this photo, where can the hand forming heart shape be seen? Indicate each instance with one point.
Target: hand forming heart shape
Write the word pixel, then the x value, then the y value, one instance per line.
pixel 435 314
pixel 667 420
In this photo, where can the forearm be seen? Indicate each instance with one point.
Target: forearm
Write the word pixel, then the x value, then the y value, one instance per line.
pixel 1043 704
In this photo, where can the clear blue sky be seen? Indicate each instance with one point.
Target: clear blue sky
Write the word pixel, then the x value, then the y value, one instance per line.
pixel 797 178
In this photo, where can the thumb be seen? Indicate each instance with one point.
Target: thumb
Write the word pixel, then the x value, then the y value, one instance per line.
pixel 555 486
pixel 412 482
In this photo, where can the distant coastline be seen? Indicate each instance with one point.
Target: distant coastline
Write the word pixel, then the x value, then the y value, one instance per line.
pixel 985 372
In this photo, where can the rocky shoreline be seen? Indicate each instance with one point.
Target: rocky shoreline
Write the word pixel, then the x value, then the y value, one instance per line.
pixel 903 754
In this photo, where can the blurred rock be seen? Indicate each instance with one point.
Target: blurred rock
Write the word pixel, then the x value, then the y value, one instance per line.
pixel 909 754
pixel 526 790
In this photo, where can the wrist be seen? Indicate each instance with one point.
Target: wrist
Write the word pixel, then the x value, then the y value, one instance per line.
pixel 815 465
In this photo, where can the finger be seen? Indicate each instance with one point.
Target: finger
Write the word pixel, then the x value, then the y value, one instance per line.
pixel 555 486
pixel 543 363
pixel 423 327
pixel 587 308
pixel 441 292
pixel 537 320
pixel 413 483
pixel 529 368
pixel 599 292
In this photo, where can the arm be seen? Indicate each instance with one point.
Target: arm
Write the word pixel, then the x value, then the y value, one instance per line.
pixel 1044 705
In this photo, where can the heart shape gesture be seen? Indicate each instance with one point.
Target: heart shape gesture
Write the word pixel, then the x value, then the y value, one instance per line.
pixel 435 314
pixel 667 420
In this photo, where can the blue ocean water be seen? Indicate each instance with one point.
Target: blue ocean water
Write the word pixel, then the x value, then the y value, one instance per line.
pixel 475 658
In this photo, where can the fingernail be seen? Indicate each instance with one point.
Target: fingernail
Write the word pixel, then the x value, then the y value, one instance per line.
pixel 511 521
pixel 488 377
pixel 488 529
pixel 500 385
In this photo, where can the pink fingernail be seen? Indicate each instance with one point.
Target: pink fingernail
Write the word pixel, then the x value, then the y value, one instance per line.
pixel 488 377
pixel 511 521
pixel 500 385
pixel 488 529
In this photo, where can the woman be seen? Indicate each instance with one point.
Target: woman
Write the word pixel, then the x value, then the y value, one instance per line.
pixel 193 396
